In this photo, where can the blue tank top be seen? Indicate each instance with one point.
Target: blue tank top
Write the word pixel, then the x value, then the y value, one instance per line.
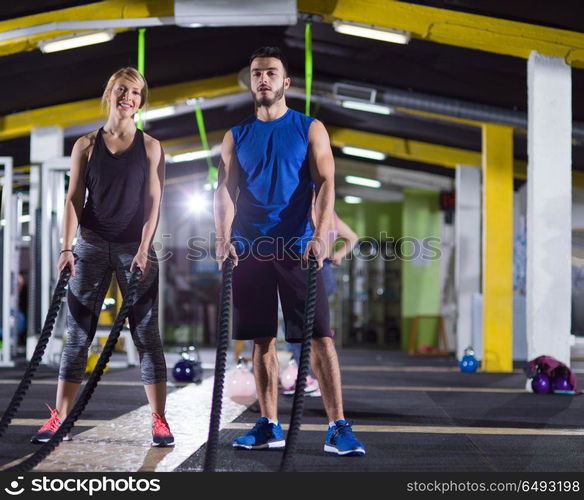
pixel 275 185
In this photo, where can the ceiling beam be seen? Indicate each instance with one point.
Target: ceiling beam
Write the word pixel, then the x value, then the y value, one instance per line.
pixel 418 151
pixel 449 27
pixel 397 147
pixel 407 149
pixel 489 34
pixel 24 40
pixel 424 152
pixel 88 110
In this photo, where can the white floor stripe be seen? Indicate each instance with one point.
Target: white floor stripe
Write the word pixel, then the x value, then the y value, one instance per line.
pixel 123 444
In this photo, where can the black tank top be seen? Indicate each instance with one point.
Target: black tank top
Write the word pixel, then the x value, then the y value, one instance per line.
pixel 115 204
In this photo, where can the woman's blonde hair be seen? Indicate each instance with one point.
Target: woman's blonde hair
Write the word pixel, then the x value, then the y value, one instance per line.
pixel 131 74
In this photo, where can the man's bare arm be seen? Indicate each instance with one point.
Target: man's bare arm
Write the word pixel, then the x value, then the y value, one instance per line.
pixel 224 201
pixel 322 168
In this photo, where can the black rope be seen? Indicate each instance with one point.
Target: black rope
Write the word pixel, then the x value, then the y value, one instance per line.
pixel 37 356
pixel 90 386
pixel 222 343
pixel 287 463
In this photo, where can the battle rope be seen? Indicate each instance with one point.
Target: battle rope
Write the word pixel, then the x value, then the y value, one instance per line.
pixel 90 386
pixel 37 356
pixel 287 462
pixel 220 360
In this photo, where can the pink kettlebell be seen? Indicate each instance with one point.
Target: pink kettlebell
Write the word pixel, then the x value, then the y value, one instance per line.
pixel 289 375
pixel 241 383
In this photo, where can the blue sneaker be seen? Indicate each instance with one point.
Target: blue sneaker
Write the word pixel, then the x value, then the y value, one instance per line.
pixel 263 436
pixel 340 440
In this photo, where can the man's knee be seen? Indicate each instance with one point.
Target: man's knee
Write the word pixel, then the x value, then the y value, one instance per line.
pixel 265 343
pixel 323 343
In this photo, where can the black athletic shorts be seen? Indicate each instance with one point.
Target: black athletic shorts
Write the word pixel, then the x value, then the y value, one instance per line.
pixel 256 284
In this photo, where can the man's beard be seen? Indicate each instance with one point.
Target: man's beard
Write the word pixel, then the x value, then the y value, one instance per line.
pixel 266 101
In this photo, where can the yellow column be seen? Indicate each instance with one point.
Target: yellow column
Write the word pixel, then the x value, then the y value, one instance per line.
pixel 497 166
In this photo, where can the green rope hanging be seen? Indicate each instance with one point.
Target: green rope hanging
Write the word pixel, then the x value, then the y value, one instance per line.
pixel 212 175
pixel 308 64
pixel 141 66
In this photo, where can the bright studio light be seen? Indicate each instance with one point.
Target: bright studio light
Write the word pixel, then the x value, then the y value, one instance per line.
pixel 362 181
pixel 365 31
pixel 352 200
pixel 367 106
pixel 363 153
pixel 73 42
pixel 198 203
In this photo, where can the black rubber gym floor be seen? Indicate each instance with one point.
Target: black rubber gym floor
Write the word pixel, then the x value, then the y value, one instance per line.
pixel 412 413
pixel 412 422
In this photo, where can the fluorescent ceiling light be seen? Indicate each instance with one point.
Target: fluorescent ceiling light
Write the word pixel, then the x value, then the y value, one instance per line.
pixel 194 100
pixel 365 31
pixel 367 106
pixel 196 155
pixel 156 113
pixel 192 155
pixel 352 200
pixel 363 153
pixel 362 181
pixel 72 42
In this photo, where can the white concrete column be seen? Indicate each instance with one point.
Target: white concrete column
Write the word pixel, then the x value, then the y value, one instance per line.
pixel 8 289
pixel 46 143
pixel 467 252
pixel 549 207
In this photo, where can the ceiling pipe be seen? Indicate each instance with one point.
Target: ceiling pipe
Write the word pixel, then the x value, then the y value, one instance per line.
pixel 454 108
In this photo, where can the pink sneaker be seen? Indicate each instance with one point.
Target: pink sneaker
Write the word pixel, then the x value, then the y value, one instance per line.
pixel 311 389
pixel 161 435
pixel 47 431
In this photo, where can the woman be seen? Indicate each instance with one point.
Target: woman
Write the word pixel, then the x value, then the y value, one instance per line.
pixel 122 170
pixel 339 230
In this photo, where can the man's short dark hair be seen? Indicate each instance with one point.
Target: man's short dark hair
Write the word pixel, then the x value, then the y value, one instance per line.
pixel 274 52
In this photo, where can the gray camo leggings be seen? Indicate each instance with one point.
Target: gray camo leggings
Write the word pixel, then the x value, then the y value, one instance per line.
pixel 95 261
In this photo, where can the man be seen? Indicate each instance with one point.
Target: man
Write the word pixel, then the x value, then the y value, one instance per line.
pixel 270 165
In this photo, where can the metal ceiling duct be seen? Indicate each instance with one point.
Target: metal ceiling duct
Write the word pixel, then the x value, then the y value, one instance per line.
pixel 421 102
pixel 192 13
